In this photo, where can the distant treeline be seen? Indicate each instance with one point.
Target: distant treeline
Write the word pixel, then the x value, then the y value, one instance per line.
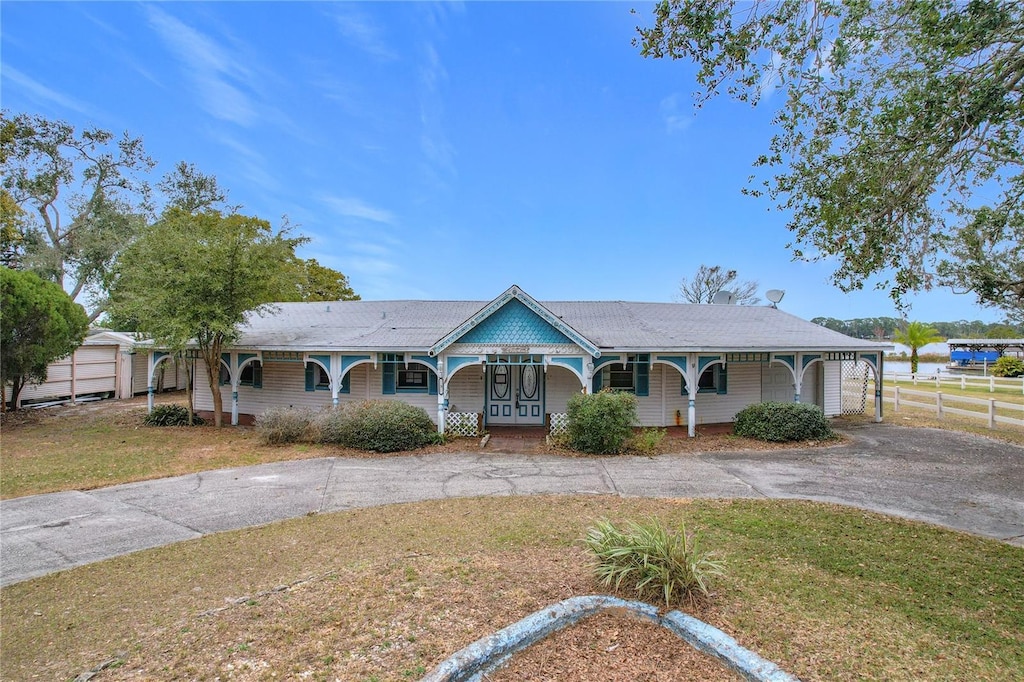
pixel 886 327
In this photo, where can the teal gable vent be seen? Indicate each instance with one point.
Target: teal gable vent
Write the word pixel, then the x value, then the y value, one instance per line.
pixel 514 324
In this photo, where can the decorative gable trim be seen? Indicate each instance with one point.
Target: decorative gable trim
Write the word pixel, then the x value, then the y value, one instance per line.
pixel 514 292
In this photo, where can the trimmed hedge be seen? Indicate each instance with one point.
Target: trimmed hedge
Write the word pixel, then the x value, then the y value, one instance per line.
pixel 780 422
pixel 601 423
pixel 377 425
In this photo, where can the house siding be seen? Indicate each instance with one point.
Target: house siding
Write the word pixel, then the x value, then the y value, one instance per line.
pixel 560 384
pixel 466 390
pixel 833 398
pixel 284 385
pixel 95 369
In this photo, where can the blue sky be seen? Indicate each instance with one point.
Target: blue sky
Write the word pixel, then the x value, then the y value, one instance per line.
pixel 439 151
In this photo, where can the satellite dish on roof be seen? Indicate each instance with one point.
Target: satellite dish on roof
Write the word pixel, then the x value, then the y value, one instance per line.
pixel 775 295
pixel 724 297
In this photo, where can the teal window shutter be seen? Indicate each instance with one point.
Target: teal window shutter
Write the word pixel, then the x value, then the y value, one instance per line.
pixel 257 375
pixel 310 377
pixel 643 377
pixel 431 383
pixel 346 383
pixel 597 382
pixel 388 378
pixel 722 380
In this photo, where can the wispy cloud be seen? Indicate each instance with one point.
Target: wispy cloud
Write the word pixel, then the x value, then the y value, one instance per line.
pixel 434 143
pixel 350 207
pixel 770 79
pixel 219 78
pixel 252 165
pixel 40 93
pixel 360 31
pixel 675 111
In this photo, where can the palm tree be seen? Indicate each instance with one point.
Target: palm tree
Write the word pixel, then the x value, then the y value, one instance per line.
pixel 915 335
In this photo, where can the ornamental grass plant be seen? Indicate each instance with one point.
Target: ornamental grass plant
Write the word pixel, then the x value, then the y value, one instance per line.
pixel 652 560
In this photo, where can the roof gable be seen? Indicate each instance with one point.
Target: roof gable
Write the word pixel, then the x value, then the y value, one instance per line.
pixel 514 317
pixel 513 323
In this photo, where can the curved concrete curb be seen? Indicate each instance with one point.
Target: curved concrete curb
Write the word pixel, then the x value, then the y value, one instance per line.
pixel 489 653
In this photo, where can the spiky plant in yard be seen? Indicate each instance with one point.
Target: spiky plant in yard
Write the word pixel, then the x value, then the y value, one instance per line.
pixel 652 559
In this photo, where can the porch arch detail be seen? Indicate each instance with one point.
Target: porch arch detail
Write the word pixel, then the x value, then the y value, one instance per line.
pixel 155 358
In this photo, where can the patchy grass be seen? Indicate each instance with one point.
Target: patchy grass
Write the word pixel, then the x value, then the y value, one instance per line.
pixel 825 591
pixel 92 445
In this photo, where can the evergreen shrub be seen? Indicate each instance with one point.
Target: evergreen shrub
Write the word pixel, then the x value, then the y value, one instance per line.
pixel 1008 366
pixel 601 423
pixel 781 422
pixel 171 415
pixel 281 425
pixel 378 426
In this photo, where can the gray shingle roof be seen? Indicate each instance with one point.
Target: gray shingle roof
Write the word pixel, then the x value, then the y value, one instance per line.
pixel 610 325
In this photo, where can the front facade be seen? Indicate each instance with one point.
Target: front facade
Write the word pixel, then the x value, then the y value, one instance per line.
pixel 517 361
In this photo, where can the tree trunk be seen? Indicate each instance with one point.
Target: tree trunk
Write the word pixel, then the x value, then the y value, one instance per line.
pixel 213 375
pixel 17 383
pixel 913 360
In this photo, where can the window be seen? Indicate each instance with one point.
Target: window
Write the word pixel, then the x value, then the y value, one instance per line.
pixel 317 378
pixel 412 378
pixel 252 375
pixel 712 380
pixel 708 379
pixel 621 378
pixel 399 377
pixel 634 377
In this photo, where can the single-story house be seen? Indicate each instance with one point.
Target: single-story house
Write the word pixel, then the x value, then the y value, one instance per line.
pixel 516 361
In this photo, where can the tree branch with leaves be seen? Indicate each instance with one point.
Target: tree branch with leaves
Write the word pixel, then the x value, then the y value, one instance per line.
pixel 900 130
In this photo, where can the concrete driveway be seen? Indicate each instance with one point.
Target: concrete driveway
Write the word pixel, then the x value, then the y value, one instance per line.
pixel 963 482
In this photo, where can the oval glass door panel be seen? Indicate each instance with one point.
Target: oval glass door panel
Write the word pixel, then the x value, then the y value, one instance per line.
pixel 500 385
pixel 529 382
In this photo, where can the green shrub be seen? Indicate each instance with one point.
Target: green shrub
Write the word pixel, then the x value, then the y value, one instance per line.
pixel 1008 366
pixel 652 560
pixel 280 425
pixel 170 415
pixel 377 425
pixel 780 422
pixel 646 441
pixel 600 423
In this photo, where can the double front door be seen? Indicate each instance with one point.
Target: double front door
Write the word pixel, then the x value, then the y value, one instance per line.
pixel 515 394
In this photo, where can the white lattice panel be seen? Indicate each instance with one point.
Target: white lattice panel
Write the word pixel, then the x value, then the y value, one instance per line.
pixel 855 386
pixel 559 423
pixel 462 424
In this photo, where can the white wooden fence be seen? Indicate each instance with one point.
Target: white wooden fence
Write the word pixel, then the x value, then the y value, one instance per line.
pixel 961 381
pixel 944 405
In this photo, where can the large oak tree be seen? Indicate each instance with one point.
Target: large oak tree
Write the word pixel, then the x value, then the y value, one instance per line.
pixel 84 197
pixel 897 152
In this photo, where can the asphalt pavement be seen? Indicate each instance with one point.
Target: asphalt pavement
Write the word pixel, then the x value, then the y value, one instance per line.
pixel 963 482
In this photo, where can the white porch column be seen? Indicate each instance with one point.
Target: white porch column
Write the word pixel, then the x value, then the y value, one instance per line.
pixel 234 402
pixel 692 377
pixel 878 387
pixel 798 376
pixel 442 395
pixel 149 383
